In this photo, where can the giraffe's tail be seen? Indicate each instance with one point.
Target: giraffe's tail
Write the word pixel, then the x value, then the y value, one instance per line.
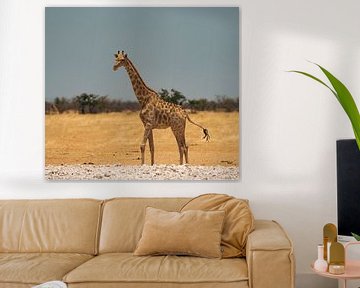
pixel 206 131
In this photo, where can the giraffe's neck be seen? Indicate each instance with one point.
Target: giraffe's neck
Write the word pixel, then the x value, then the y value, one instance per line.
pixel 142 92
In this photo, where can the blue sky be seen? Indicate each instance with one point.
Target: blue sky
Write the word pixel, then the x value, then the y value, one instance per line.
pixel 193 50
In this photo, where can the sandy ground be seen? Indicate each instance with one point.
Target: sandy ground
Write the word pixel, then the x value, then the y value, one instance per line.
pixel 114 139
pixel 142 172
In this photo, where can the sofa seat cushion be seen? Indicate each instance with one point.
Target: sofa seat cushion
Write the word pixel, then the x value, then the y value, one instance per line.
pixel 127 268
pixel 36 268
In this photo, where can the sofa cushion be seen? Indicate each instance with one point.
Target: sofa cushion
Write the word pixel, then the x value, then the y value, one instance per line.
pixel 123 220
pixel 63 226
pixel 238 223
pixel 126 268
pixel 36 268
pixel 193 232
pixel 237 284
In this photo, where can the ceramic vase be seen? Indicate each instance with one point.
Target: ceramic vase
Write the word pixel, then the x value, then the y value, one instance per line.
pixel 320 264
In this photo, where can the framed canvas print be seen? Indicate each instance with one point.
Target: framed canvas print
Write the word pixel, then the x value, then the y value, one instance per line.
pixel 142 93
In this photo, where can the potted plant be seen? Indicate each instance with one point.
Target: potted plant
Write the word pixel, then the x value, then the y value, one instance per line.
pixel 346 100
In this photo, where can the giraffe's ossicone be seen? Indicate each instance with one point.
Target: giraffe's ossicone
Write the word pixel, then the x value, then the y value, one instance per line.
pixel 155 112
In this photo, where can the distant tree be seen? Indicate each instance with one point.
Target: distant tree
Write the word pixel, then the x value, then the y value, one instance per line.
pixel 227 103
pixel 115 106
pixel 87 102
pixel 82 102
pixel 91 103
pixel 50 108
pixel 164 94
pixel 222 103
pixel 174 96
pixel 62 104
pixel 198 104
pixel 177 97
pixel 130 106
pixel 102 104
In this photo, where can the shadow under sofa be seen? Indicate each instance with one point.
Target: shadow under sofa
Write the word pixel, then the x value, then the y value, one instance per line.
pixel 90 243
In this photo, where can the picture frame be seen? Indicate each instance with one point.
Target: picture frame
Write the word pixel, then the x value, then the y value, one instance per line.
pixel 94 132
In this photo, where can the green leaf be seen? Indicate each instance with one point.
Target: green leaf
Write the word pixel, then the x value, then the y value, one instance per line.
pixel 357 237
pixel 344 97
pixel 315 78
pixel 357 137
pixel 347 102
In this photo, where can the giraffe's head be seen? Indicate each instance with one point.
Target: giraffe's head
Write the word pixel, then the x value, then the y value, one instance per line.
pixel 120 59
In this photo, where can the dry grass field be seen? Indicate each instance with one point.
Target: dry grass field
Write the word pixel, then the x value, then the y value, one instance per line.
pixel 115 138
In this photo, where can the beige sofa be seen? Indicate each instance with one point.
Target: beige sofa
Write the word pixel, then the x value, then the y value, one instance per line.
pixel 89 243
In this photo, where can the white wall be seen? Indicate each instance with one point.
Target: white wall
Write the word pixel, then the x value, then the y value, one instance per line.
pixel 289 124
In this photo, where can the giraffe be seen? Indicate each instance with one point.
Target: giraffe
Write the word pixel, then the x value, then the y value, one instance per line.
pixel 156 113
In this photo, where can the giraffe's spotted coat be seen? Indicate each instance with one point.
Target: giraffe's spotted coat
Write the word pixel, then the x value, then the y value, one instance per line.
pixel 155 112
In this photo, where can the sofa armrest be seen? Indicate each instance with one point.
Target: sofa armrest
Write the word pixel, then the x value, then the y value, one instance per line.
pixel 269 256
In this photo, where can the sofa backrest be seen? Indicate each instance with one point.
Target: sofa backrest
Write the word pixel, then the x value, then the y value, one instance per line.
pixel 123 220
pixel 67 226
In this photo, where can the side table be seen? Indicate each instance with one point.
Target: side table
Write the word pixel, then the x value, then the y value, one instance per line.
pixel 352 268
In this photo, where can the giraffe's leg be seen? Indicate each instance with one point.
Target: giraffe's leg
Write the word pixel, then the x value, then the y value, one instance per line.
pixel 184 147
pixel 183 142
pixel 151 144
pixel 181 151
pixel 143 144
pixel 180 139
pixel 186 152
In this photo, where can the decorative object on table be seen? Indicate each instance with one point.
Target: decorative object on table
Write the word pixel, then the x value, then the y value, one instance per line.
pixel 51 284
pixel 329 237
pixel 320 264
pixel 344 97
pixel 336 269
pixel 333 252
pixel 350 270
pixel 337 258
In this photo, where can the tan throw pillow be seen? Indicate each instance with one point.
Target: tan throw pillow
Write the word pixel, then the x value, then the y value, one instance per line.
pixel 196 233
pixel 239 221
